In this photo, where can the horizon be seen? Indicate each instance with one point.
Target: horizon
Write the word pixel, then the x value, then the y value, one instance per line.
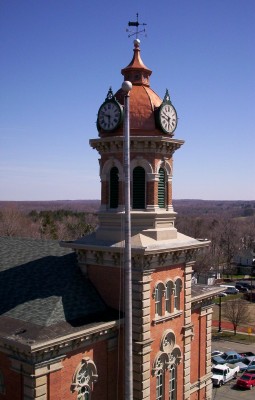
pixel 56 70
pixel 74 200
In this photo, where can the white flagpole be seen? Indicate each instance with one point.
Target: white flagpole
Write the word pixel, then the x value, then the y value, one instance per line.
pixel 126 87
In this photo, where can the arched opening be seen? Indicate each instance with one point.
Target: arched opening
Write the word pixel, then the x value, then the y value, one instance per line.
pixel 159 294
pixel 114 187
pixel 177 293
pixel 160 385
pixel 162 188
pixel 138 188
pixel 172 382
pixel 169 295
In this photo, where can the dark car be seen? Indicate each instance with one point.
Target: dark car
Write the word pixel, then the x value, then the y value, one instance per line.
pixel 246 381
pixel 247 364
pixel 247 285
pixel 241 288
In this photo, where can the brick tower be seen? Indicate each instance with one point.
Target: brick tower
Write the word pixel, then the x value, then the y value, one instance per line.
pixel 171 326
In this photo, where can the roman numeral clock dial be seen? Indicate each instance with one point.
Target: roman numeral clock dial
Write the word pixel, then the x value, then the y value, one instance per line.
pixel 110 114
pixel 167 116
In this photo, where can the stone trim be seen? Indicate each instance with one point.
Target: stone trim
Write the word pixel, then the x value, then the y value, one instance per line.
pixel 45 351
pixel 35 376
pixel 187 329
pixel 203 382
pixel 142 144
pixel 159 319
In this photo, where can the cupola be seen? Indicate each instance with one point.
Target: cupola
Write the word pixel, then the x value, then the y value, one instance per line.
pixel 144 102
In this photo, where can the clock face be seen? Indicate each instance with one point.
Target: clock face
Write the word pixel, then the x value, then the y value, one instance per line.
pixel 109 116
pixel 168 118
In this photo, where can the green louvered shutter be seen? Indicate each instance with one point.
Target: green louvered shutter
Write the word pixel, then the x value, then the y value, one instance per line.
pixel 138 188
pixel 161 188
pixel 114 187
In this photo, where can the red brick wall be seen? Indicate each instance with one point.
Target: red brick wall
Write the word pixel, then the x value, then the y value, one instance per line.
pixel 13 381
pixel 198 346
pixel 108 282
pixel 106 363
pixel 176 324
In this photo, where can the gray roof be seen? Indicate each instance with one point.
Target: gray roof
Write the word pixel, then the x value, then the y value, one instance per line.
pixel 43 290
pixel 199 292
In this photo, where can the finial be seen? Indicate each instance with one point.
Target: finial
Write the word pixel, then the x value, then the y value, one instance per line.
pixel 167 97
pixel 136 24
pixel 137 43
pixel 109 94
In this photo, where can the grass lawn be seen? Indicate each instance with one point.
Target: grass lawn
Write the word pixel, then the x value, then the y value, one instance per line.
pixel 227 325
pixel 228 298
pixel 230 336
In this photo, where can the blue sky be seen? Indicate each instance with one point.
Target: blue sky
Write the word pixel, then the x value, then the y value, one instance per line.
pixel 59 58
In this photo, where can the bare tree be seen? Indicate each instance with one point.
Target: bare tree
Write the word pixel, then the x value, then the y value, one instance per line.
pixel 228 243
pixel 12 222
pixel 203 263
pixel 237 312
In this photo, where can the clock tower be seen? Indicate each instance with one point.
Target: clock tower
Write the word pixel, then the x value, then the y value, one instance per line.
pixel 171 324
pixel 152 145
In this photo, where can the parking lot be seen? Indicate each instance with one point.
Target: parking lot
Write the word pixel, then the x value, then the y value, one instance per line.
pixel 228 391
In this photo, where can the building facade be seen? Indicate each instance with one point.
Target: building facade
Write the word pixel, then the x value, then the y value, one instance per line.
pixel 62 336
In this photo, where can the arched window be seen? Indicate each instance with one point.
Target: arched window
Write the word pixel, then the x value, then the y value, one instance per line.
pixel 114 187
pixel 84 393
pixel 162 188
pixel 160 385
pixel 169 295
pixel 167 359
pixel 159 293
pixel 138 188
pixel 84 378
pixel 177 293
pixel 172 382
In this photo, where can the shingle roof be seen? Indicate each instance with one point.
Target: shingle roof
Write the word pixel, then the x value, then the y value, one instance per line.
pixel 199 291
pixel 42 287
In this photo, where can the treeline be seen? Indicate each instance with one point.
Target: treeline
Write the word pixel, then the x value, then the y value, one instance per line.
pixel 229 232
pixel 228 236
pixel 56 225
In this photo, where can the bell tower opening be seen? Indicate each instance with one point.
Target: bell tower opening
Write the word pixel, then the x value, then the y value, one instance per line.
pixel 114 188
pixel 138 188
pixel 162 188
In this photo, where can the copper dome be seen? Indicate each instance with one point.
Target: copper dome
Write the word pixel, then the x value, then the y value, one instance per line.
pixel 143 100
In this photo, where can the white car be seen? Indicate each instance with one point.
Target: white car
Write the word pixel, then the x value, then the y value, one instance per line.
pixel 216 353
pixel 224 373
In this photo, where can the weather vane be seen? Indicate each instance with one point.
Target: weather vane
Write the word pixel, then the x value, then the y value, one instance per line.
pixel 136 24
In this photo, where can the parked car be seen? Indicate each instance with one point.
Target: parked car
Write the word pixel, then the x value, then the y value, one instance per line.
pixel 248 285
pixel 248 354
pixel 241 288
pixel 247 364
pixel 246 381
pixel 231 290
pixel 223 374
pixel 230 357
pixel 222 294
pixel 216 353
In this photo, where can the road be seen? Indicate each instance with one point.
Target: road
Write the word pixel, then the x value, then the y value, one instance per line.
pixel 228 391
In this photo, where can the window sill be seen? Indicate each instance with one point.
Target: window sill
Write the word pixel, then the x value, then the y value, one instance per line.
pixel 166 317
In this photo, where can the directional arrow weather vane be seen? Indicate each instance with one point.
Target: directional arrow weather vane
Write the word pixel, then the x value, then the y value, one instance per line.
pixel 136 24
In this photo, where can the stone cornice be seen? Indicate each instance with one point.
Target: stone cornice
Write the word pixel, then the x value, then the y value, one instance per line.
pixel 142 259
pixel 141 144
pixel 45 350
